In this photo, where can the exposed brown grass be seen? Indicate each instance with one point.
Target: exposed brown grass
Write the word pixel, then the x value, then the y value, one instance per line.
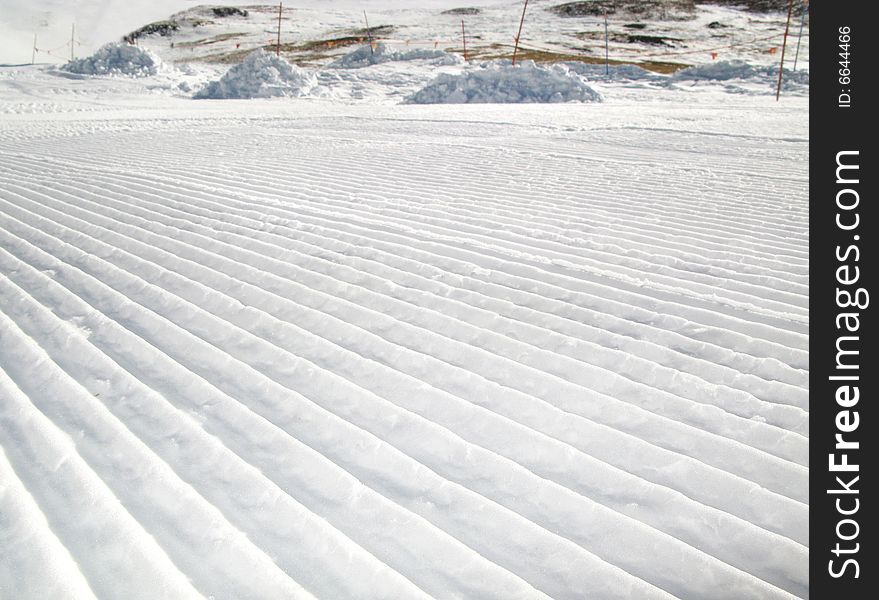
pixel 328 44
pixel 542 56
pixel 222 37
pixel 233 57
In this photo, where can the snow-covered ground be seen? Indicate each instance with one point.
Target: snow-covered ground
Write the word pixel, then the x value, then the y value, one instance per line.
pixel 347 346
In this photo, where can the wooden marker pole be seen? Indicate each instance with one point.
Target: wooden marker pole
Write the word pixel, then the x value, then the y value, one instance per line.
pixel 800 35
pixel 368 33
pixel 278 44
pixel 606 47
pixel 519 35
pixel 790 9
pixel 72 37
pixel 464 39
pixel 34 50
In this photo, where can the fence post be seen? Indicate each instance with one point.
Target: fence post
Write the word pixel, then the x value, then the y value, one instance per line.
pixel 278 45
pixel 368 33
pixel 464 39
pixel 800 35
pixel 606 47
pixel 790 9
pixel 519 35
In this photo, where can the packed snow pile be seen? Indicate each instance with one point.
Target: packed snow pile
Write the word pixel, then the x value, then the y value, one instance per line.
pixel 622 73
pixel 116 59
pixel 373 54
pixel 496 83
pixel 261 75
pixel 729 70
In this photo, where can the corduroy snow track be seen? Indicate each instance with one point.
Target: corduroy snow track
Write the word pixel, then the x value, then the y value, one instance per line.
pixel 403 353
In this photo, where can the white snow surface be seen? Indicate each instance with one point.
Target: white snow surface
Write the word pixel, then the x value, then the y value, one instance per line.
pixel 260 75
pixel 502 83
pixel 337 346
pixel 116 59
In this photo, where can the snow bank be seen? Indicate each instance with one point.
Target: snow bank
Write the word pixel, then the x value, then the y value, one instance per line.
pixel 116 59
pixel 365 56
pixel 261 75
pixel 728 70
pixel 506 84
pixel 593 71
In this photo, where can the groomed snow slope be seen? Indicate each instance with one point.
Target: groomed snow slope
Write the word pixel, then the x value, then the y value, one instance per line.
pixel 290 349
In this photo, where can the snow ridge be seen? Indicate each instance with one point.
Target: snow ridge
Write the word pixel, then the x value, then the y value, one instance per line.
pixel 507 84
pixel 379 52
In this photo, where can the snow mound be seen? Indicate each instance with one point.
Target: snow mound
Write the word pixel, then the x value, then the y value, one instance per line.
pixel 261 75
pixel 365 56
pixel 506 84
pixel 614 72
pixel 728 70
pixel 116 59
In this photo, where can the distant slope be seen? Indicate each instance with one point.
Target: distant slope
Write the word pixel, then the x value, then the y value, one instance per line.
pixel 102 21
pixel 662 35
